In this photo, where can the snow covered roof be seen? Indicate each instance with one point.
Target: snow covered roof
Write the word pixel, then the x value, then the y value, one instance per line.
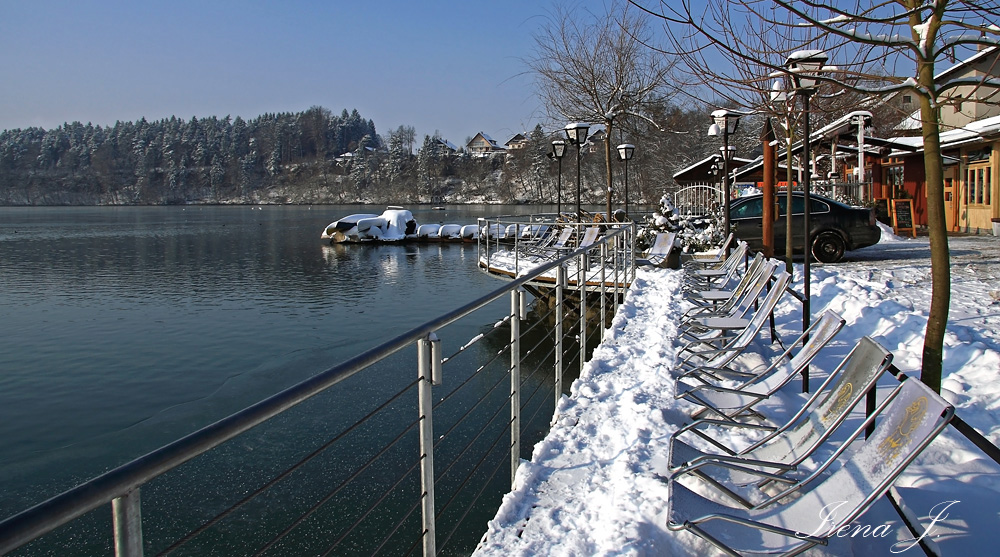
pixel 974 131
pixel 446 143
pixel 737 161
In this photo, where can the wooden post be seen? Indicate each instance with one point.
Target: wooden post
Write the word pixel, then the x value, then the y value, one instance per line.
pixel 770 163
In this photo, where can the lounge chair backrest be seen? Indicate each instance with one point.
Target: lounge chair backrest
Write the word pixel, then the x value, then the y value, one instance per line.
pixel 564 237
pixel 767 304
pixel 721 253
pixel 784 370
pixel 910 421
pixel 741 305
pixel 663 244
pixel 720 260
pixel 832 402
pixel 590 236
pixel 737 256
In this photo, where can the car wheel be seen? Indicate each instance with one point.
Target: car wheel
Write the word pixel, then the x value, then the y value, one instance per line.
pixel 828 247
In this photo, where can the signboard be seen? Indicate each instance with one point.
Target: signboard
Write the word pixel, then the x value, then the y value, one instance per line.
pixel 902 217
pixel 882 210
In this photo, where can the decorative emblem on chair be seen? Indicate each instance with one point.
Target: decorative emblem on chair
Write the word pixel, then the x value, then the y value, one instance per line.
pixel 895 442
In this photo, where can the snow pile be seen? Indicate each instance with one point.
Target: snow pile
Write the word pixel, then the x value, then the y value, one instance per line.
pixel 593 485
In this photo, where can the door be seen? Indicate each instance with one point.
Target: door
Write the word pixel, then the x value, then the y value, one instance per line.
pixel 950 202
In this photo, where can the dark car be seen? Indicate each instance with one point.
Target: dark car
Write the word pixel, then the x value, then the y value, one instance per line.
pixel 833 226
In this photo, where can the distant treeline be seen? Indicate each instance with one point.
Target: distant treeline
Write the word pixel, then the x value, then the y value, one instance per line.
pixel 312 156
pixel 209 160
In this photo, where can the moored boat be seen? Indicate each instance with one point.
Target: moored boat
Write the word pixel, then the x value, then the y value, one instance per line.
pixel 393 225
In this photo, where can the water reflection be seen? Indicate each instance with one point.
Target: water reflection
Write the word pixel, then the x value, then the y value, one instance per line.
pixel 125 328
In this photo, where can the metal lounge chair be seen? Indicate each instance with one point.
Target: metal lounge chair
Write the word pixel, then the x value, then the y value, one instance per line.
pixel 699 296
pixel 707 278
pixel 788 446
pixel 711 260
pixel 812 340
pixel 741 299
pixel 552 243
pixel 910 418
pixel 660 251
pixel 736 402
pixel 718 351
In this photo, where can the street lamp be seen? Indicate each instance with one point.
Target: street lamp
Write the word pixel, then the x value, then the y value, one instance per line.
pixel 804 66
pixel 577 135
pixel 558 150
pixel 725 122
pixel 625 151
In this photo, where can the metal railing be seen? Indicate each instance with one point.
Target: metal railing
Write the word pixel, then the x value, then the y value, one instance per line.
pixel 420 475
pixel 511 246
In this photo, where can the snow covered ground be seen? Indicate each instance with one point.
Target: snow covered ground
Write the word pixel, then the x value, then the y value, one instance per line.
pixel 593 487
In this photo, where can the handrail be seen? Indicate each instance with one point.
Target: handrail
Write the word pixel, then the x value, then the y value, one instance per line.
pixel 46 516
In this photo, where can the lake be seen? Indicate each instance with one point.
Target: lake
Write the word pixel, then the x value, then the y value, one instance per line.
pixel 125 328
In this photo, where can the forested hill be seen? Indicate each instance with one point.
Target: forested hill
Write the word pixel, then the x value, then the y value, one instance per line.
pixel 171 161
pixel 316 156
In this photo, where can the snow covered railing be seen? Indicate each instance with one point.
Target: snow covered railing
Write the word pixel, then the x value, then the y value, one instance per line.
pixel 513 246
pixel 428 479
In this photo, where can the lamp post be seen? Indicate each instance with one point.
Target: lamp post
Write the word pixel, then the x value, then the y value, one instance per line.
pixel 803 68
pixel 625 151
pixel 558 150
pixel 725 122
pixel 713 171
pixel 577 135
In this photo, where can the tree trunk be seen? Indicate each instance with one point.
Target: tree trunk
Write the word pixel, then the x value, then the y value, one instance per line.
pixel 937 317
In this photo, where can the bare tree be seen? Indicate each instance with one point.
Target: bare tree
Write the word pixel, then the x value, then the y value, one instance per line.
pixel 594 68
pixel 879 48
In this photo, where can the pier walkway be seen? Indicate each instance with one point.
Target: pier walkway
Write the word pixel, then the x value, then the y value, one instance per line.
pixel 593 487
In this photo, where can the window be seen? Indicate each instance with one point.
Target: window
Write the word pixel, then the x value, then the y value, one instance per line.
pixel 987 186
pixel 979 183
pixel 907 99
pixel 799 205
pixel 894 180
pixel 752 209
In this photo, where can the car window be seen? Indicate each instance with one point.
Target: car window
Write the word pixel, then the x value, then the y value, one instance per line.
pixel 751 209
pixel 799 204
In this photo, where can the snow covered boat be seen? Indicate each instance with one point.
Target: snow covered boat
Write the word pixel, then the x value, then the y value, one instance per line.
pixel 470 233
pixel 393 225
pixel 427 232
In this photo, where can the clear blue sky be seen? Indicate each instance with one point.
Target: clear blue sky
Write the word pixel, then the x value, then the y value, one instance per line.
pixel 456 66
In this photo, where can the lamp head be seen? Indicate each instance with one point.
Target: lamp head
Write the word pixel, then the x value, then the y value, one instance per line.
pixel 729 153
pixel 804 66
pixel 625 151
pixel 576 133
pixel 558 148
pixel 727 120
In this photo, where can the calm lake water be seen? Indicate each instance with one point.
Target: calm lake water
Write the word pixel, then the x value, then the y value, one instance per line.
pixel 122 329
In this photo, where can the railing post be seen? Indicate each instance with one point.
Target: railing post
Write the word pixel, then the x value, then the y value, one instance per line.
pixel 560 284
pixel 604 292
pixel 582 286
pixel 618 248
pixel 517 245
pixel 127 519
pixel 428 360
pixel 515 382
pixel 630 244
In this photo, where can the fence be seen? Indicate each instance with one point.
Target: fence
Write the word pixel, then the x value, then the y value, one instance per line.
pixel 698 200
pixel 323 468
